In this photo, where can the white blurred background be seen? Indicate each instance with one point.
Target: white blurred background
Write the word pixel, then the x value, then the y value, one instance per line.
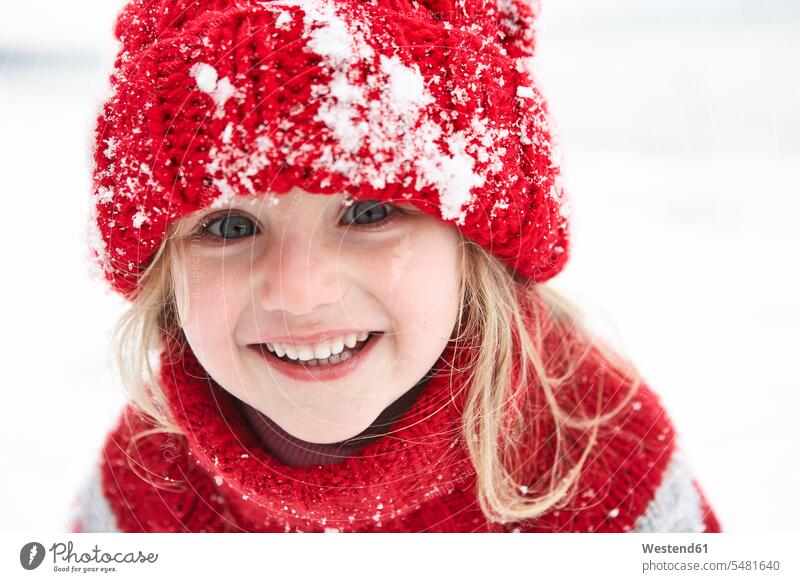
pixel 679 124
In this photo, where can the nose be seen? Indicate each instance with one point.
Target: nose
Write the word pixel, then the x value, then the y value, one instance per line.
pixel 297 275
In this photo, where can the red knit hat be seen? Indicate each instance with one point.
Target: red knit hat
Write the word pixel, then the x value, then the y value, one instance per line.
pixel 430 103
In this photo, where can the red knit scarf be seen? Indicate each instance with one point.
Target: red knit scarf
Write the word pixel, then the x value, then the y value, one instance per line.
pixel 218 475
pixel 390 476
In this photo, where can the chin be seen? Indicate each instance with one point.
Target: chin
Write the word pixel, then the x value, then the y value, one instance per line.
pixel 334 433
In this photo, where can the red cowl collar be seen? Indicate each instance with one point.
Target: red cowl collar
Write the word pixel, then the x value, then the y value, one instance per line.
pixel 390 477
pixel 217 477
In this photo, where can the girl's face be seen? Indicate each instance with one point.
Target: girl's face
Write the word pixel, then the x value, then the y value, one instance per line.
pixel 306 278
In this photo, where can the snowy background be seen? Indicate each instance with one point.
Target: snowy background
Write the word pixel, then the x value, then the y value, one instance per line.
pixel 679 122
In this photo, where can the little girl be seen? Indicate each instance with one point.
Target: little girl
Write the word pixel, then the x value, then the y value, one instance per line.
pixel 334 221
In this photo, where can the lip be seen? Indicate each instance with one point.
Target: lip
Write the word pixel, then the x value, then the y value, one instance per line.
pixel 311 338
pixel 317 373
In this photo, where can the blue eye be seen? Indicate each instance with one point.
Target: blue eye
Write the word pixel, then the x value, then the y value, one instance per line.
pixel 227 227
pixel 230 227
pixel 367 212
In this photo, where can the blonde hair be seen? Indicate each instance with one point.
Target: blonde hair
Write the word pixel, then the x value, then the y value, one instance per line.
pixel 504 323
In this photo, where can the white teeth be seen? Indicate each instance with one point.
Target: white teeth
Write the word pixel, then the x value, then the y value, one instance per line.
pixel 277 349
pixel 322 351
pixel 319 351
pixel 305 353
pixel 334 359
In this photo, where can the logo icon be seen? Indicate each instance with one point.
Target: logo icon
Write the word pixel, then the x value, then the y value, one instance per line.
pixel 31 555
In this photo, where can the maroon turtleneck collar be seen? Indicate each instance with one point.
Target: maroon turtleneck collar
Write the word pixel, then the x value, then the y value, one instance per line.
pixel 296 452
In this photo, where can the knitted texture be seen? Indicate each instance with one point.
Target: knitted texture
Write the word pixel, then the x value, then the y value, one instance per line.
pixel 216 477
pixel 430 103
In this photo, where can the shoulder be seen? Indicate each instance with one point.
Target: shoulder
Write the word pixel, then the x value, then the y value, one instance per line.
pixel 90 511
pixel 636 477
pixel 678 504
pixel 145 481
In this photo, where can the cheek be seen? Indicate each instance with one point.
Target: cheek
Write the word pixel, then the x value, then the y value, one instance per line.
pixel 207 304
pixel 416 278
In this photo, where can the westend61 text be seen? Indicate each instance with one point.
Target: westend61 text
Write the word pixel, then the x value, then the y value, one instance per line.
pixel 670 549
pixel 65 553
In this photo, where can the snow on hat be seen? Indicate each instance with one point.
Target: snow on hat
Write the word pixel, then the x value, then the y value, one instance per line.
pixel 430 103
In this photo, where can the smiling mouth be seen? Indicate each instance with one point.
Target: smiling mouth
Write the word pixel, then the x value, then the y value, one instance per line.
pixel 328 362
